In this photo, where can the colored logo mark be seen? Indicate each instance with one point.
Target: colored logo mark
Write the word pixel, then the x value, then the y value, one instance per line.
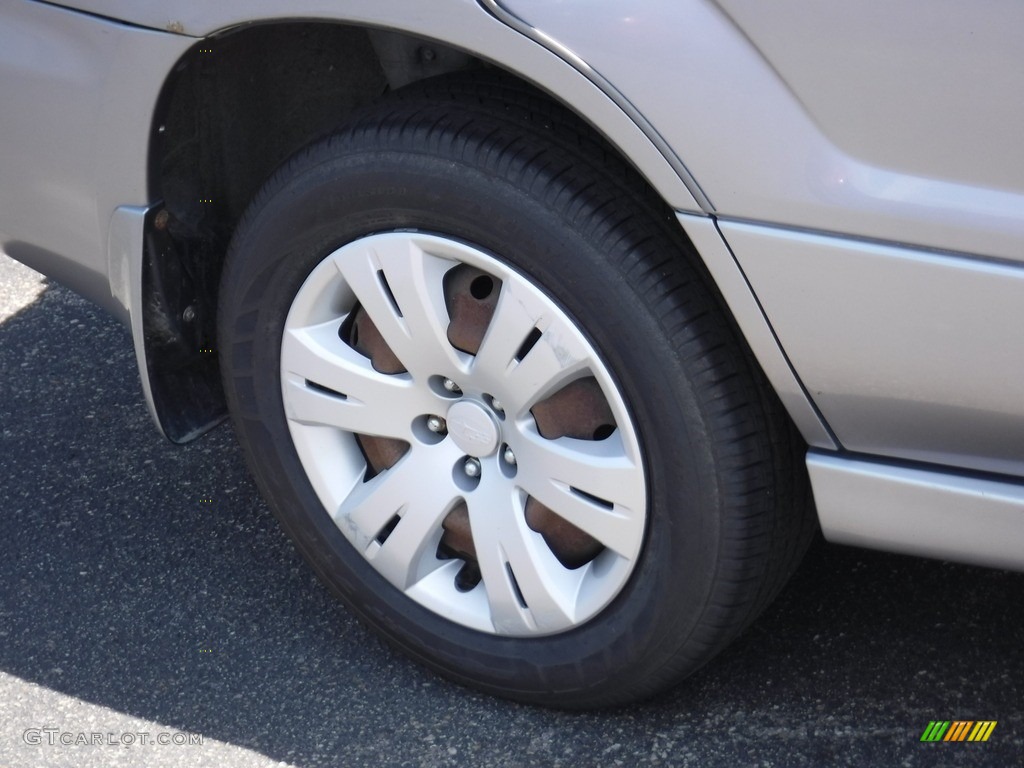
pixel 958 730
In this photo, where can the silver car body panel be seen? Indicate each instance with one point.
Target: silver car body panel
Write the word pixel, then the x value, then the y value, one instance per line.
pixel 78 96
pixel 902 85
pixel 907 353
pixel 919 512
pixel 762 151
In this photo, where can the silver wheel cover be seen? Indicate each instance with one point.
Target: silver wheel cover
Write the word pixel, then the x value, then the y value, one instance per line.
pixel 332 393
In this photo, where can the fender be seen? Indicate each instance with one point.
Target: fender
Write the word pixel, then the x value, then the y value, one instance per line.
pixel 462 24
pixel 759 149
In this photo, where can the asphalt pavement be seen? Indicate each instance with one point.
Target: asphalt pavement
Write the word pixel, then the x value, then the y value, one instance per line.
pixel 153 614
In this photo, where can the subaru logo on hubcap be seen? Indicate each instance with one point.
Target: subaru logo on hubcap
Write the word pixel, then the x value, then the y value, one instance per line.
pixel 473 428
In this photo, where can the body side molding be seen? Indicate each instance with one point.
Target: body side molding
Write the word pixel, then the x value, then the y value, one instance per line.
pixel 919 511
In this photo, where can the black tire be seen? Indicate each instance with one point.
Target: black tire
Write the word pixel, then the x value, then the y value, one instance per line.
pixel 487 162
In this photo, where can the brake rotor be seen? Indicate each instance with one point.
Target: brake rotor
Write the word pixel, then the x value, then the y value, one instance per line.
pixel 471 297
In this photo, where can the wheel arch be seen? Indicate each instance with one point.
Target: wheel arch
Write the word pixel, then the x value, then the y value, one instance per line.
pixel 241 100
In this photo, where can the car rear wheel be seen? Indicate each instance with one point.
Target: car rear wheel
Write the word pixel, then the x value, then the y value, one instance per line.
pixel 482 381
pixel 466 436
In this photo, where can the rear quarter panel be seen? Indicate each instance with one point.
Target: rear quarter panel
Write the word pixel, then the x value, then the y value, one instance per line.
pixel 77 103
pixel 889 120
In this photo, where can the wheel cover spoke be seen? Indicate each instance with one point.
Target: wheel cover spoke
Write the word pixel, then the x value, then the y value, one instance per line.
pixel 514 317
pixel 409 552
pixel 446 525
pixel 360 399
pixel 401 288
pixel 556 357
pixel 555 472
pixel 527 587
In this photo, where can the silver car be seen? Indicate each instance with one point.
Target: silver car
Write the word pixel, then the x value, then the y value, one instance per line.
pixel 551 332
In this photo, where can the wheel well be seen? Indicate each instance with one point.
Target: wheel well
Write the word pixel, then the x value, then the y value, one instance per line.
pixel 234 108
pixel 238 104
